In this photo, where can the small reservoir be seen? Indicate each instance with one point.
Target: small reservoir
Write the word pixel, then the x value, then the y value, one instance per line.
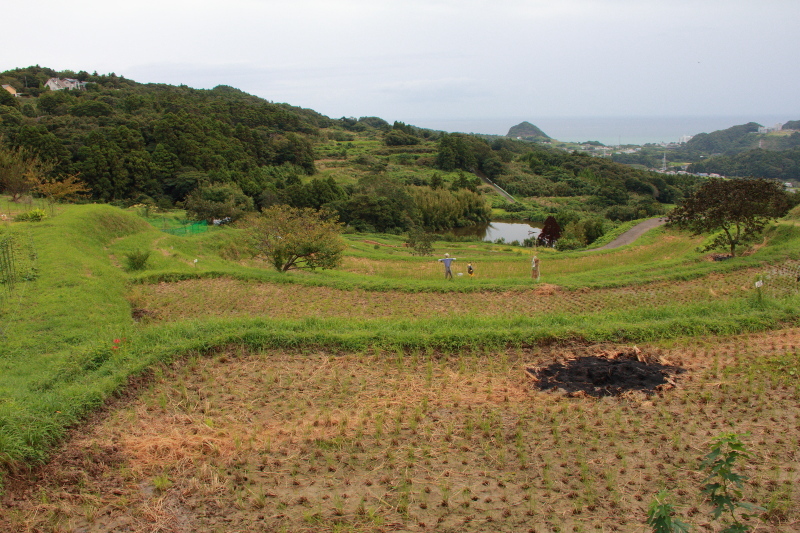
pixel 509 231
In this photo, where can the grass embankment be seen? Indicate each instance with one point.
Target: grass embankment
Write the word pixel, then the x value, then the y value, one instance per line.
pixel 68 316
pixel 69 339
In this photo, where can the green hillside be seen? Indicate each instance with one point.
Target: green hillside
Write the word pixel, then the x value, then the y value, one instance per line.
pixel 221 153
pixel 781 165
pixel 738 151
pixel 728 140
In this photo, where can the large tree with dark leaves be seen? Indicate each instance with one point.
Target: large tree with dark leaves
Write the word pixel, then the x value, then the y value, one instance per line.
pixel 739 209
pixel 550 233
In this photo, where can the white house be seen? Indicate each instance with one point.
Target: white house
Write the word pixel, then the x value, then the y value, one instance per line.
pixel 57 84
pixel 770 129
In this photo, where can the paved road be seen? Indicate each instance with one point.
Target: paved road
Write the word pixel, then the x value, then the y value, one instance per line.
pixel 486 180
pixel 634 233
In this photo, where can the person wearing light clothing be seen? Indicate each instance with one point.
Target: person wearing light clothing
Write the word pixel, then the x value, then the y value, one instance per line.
pixel 535 273
pixel 448 274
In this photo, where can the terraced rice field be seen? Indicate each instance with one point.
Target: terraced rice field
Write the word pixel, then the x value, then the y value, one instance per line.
pixel 384 418
pixel 419 441
pixel 227 297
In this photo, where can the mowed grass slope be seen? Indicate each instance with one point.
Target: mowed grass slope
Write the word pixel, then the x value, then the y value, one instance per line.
pixel 70 339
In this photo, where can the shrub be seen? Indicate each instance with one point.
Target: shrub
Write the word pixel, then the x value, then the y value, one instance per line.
pixel 420 242
pixel 137 260
pixel 568 243
pixel 514 208
pixel 217 202
pixel 293 238
pixel 34 215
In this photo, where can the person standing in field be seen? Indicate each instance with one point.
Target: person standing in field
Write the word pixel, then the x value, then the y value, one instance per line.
pixel 448 274
pixel 470 270
pixel 535 268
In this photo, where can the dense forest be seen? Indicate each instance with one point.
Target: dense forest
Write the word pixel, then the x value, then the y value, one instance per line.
pixel 780 165
pixel 222 152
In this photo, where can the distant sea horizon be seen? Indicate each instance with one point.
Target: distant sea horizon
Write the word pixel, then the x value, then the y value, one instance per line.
pixel 611 130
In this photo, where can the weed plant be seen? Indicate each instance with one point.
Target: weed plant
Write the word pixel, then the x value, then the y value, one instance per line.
pixel 137 260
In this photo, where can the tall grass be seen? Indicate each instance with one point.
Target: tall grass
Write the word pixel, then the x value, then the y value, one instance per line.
pixel 76 302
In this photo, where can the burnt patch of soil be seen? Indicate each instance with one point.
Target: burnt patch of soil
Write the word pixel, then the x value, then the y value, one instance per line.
pixel 606 374
pixel 140 314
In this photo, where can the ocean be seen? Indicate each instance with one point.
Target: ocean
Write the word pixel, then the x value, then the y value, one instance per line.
pixel 607 130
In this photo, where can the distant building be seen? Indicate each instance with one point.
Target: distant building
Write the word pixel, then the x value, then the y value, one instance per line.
pixel 10 89
pixel 769 129
pixel 57 84
pixel 685 139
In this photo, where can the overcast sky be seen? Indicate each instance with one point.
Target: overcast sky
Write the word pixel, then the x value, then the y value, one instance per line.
pixel 423 61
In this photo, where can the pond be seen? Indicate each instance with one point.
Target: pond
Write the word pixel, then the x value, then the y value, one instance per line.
pixel 509 231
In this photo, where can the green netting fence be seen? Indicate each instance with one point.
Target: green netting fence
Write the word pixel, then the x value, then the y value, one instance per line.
pixel 185 229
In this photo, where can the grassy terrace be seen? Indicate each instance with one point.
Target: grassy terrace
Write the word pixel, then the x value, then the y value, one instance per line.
pixel 379 395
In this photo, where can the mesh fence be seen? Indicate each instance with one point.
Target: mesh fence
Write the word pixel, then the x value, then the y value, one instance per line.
pixel 780 280
pixel 17 261
pixel 7 267
pixel 189 229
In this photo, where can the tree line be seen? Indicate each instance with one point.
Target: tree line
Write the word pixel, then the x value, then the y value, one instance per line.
pixel 158 142
pixel 224 151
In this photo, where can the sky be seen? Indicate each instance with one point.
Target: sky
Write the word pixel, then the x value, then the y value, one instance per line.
pixel 485 63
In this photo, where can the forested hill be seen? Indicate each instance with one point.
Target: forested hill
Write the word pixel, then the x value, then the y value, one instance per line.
pixel 528 131
pixel 728 140
pixel 127 139
pixel 222 152
pixel 740 151
pixel 741 138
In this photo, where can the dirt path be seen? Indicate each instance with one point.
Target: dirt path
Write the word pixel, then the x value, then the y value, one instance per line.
pixel 634 233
